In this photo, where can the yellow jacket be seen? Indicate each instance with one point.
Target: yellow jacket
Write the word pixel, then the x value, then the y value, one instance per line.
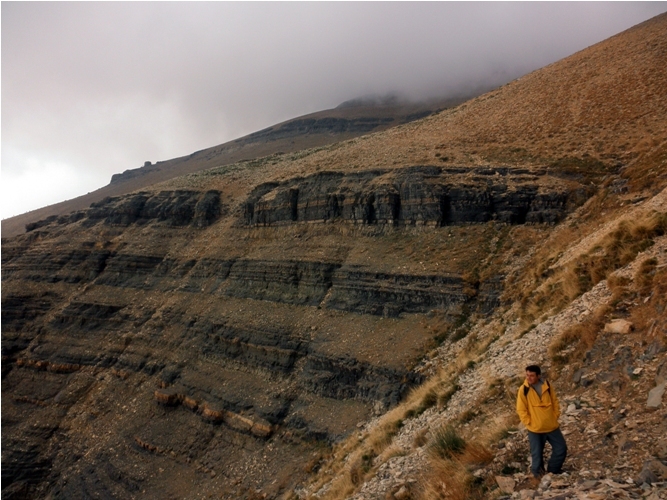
pixel 538 414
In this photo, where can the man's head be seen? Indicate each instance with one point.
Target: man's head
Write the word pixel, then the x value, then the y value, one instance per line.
pixel 533 373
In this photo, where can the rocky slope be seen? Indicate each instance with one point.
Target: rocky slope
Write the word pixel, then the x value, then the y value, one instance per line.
pixel 613 414
pixel 302 324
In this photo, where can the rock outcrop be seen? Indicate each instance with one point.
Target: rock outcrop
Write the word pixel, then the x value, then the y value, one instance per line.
pixel 423 195
pixel 173 208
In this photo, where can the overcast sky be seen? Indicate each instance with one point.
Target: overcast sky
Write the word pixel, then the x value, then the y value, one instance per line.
pixel 92 89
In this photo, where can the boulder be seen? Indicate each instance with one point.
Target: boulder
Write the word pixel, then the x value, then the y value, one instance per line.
pixel 655 395
pixel 588 484
pixel 660 449
pixel 652 472
pixel 619 326
pixel 661 374
pixel 506 484
pixel 402 494
pixel 168 396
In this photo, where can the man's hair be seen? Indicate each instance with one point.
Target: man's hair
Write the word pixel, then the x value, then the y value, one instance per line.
pixel 534 369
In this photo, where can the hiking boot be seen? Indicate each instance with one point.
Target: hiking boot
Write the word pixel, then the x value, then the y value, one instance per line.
pixel 534 482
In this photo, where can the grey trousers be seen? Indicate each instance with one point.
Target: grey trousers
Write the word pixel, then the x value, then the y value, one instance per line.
pixel 558 451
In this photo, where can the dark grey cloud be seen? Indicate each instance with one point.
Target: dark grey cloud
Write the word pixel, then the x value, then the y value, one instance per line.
pixel 91 89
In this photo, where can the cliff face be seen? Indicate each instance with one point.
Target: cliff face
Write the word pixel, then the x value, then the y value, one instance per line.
pixel 427 195
pixel 219 332
pixel 149 323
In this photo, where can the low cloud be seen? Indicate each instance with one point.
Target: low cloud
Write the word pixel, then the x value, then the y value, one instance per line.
pixel 91 89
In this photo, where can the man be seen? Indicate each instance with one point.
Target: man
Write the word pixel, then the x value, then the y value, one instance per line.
pixel 538 409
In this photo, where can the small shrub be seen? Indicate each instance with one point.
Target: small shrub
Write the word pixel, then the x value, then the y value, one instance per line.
pixel 440 337
pixel 360 468
pixel 444 398
pixel 430 399
pixel 468 415
pixel 420 438
pixel 645 273
pixel 459 334
pixel 447 443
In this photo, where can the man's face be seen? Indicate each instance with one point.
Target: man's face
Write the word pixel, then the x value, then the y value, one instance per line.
pixel 532 377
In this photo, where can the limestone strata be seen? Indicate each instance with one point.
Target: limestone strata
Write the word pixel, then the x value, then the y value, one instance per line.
pixel 174 208
pixel 309 283
pixel 244 348
pixel 390 294
pixel 255 425
pixel 346 378
pixel 412 196
pixel 46 365
pixel 72 266
pixel 281 281
pixel 271 348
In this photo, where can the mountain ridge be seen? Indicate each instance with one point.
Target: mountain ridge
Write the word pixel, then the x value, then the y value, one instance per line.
pixel 311 130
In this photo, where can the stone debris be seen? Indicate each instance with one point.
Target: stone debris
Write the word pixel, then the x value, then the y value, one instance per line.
pixel 591 490
pixel 506 484
pixel 655 395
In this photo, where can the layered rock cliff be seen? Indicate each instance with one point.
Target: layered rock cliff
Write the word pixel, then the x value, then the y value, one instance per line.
pixel 155 309
pixel 421 195
pixel 235 331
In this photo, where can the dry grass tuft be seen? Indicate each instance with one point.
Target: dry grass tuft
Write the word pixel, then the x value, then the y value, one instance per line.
pixel 341 487
pixel 360 468
pixel 420 438
pixel 650 316
pixel 476 454
pixel 574 341
pixel 451 477
pixel 613 251
pixel 645 275
pixel 446 443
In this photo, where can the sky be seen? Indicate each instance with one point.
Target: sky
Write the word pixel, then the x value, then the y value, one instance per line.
pixel 90 89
